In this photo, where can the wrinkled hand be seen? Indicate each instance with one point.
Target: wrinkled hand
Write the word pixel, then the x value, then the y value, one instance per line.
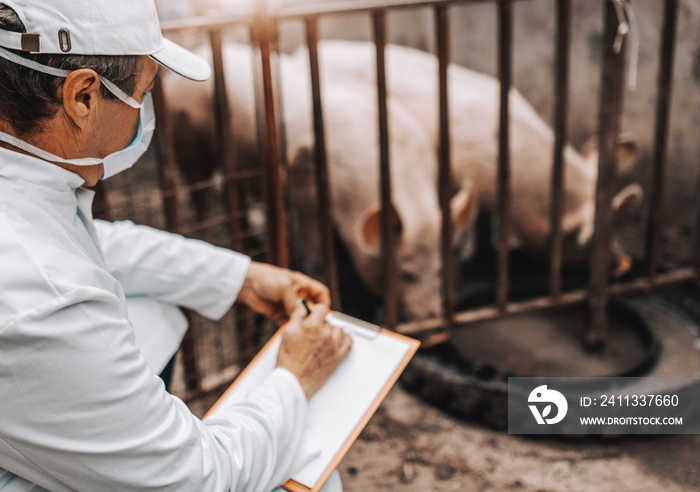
pixel 275 292
pixel 312 349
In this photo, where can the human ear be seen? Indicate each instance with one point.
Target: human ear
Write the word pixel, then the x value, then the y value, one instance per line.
pixel 80 92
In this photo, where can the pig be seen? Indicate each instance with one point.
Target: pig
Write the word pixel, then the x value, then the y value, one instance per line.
pixel 474 110
pixel 350 113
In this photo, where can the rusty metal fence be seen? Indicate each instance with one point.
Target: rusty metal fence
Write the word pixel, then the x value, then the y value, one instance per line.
pixel 263 32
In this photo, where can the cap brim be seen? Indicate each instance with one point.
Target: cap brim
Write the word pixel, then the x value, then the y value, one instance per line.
pixel 182 61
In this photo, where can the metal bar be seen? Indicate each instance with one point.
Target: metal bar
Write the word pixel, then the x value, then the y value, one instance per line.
pixel 167 172
pixel 292 11
pixel 233 192
pixel 388 236
pixel 430 326
pixel 264 34
pixel 226 18
pixel 610 110
pixel 224 138
pixel 323 188
pixel 444 165
pixel 561 109
pixel 645 284
pixel 155 196
pixel 233 176
pixel 218 220
pixel 259 102
pixel 696 240
pixel 219 21
pixel 663 105
pixel 165 160
pixel 505 42
pixel 291 225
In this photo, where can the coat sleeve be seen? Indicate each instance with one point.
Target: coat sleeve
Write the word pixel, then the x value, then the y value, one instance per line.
pixel 82 411
pixel 172 269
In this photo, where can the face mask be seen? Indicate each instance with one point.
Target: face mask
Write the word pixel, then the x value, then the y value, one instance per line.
pixel 113 163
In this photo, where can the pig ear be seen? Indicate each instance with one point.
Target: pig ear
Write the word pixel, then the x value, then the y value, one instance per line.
pixel 627 199
pixel 372 228
pixel 584 222
pixel 590 148
pixel 464 207
pixel 626 152
pixel 585 233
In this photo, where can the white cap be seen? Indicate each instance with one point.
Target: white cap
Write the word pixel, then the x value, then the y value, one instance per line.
pixel 99 27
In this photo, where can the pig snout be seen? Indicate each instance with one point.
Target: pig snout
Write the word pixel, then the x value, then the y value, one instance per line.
pixel 576 257
pixel 424 310
pixel 419 301
pixel 620 262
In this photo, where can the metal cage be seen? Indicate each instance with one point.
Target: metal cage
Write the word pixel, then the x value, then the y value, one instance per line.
pixel 263 28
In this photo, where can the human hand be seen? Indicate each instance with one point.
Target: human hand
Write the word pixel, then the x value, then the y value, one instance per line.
pixel 275 292
pixel 312 349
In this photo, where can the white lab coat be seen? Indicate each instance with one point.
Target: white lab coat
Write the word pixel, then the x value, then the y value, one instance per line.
pixel 80 409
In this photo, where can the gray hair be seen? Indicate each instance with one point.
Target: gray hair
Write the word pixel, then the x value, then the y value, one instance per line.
pixel 28 97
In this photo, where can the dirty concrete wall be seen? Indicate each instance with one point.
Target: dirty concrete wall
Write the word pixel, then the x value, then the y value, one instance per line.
pixel 474 44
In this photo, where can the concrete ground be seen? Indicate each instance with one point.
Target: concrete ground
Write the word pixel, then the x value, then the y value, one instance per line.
pixel 411 446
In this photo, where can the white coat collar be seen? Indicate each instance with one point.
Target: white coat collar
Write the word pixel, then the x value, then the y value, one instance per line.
pixel 52 187
pixel 22 167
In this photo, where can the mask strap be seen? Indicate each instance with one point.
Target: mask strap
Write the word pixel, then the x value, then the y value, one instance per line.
pixel 47 156
pixel 57 72
pixel 120 93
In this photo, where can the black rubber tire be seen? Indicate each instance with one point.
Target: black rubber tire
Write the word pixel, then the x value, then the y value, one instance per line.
pixel 474 392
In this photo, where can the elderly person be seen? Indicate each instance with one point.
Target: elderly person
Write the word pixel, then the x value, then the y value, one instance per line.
pixel 80 409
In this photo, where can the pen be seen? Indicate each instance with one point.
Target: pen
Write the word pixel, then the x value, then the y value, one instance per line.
pixel 306 305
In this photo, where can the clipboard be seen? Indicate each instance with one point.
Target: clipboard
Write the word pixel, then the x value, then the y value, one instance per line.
pixel 344 405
